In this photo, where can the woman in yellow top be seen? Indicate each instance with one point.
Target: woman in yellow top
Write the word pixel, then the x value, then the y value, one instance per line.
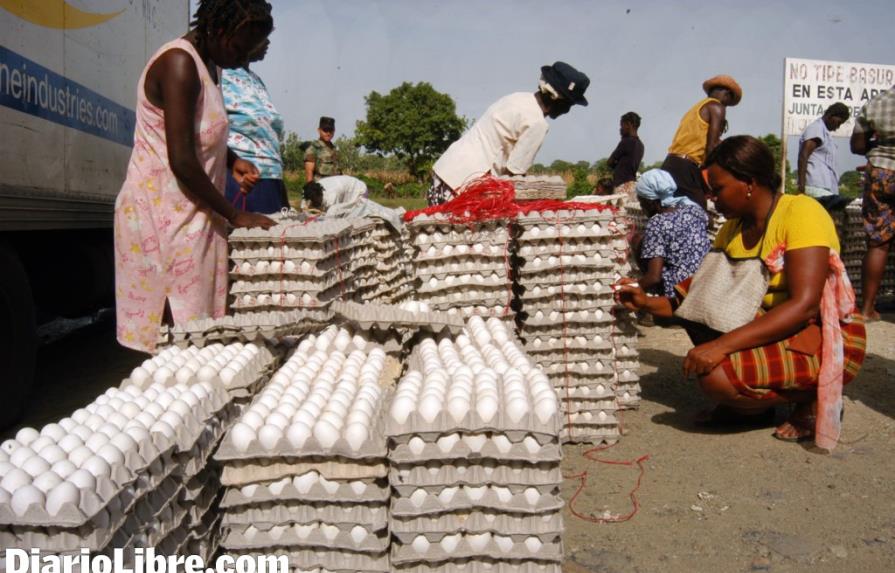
pixel 776 358
pixel 697 135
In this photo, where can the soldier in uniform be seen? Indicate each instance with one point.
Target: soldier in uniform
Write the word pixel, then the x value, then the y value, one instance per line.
pixel 321 159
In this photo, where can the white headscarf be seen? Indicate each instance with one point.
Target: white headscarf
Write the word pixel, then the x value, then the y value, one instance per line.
pixel 659 185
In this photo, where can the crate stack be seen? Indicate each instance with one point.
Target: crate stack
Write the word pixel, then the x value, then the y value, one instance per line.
pixel 394 270
pixel 305 466
pixel 568 261
pixel 853 241
pixel 534 187
pixel 463 268
pixel 294 264
pixel 475 457
pixel 363 259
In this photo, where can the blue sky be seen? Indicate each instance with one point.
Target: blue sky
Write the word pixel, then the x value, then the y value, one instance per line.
pixel 647 56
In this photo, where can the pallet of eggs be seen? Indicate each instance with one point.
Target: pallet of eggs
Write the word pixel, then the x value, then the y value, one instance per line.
pixel 568 262
pixel 110 476
pixel 294 264
pixel 394 270
pixel 853 241
pixel 463 268
pixel 305 466
pixel 363 258
pixel 474 451
pixel 532 187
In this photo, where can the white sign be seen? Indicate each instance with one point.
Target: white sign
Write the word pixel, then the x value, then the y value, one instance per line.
pixel 811 86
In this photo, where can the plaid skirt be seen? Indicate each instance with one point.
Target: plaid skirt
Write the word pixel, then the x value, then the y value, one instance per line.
pixel 878 208
pixel 760 372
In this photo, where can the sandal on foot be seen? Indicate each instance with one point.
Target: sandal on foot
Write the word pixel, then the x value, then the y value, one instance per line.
pixel 799 425
pixel 727 417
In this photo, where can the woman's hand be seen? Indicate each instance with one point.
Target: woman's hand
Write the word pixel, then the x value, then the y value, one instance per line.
pixel 246 174
pixel 704 358
pixel 244 219
pixel 629 294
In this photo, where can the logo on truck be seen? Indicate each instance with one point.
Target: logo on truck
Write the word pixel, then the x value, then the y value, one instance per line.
pixel 57 14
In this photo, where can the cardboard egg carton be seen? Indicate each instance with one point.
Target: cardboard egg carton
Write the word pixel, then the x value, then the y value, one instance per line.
pixel 426 272
pixel 281 299
pixel 408 476
pixel 287 285
pixel 355 491
pixel 592 289
pixel 386 316
pixel 577 404
pixel 572 279
pixel 528 250
pixel 283 251
pixel 474 565
pixel 584 418
pixel 249 326
pixel 590 434
pixel 510 446
pixel 575 266
pixel 479 253
pixel 487 295
pixel 457 284
pixel 415 501
pixel 449 546
pixel 484 309
pixel 628 399
pixel 536 344
pixel 405 529
pixel 571 302
pixel 372 517
pixel 337 561
pixel 294 229
pixel 585 389
pixel 352 537
pixel 587 319
pixel 252 472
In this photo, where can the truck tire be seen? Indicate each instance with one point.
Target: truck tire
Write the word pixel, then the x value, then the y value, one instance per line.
pixel 18 336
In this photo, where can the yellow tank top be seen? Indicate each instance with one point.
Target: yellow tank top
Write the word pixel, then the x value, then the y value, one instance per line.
pixel 690 137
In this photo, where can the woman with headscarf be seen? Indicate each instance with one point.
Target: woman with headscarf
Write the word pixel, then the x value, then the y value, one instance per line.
pixel 675 240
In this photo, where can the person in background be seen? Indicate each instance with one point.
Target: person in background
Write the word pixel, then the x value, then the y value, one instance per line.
pixel 256 129
pixel 346 197
pixel 817 176
pixel 698 133
pixel 321 157
pixel 171 214
pixel 604 187
pixel 675 239
pixel 625 159
pixel 505 140
pixel 805 335
pixel 874 137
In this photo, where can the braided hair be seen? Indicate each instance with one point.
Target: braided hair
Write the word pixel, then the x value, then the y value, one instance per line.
pixel 226 17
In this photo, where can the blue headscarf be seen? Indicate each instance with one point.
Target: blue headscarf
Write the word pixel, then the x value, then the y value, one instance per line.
pixel 658 185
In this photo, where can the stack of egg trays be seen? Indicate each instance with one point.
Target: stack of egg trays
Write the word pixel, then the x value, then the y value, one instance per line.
pixel 465 268
pixel 259 327
pixel 320 500
pixel 394 267
pixel 853 242
pixel 568 261
pixel 531 187
pixel 130 500
pixel 364 257
pixel 474 491
pixel 291 265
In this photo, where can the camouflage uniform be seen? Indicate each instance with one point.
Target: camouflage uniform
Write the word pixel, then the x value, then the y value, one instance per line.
pixel 325 158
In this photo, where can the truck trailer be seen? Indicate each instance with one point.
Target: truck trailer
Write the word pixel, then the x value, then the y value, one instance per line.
pixel 68 79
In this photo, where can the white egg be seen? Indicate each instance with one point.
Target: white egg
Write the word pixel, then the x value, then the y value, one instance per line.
pixel 35 465
pixel 21 455
pixel 14 479
pixel 420 544
pixel 269 436
pixel 242 435
pixel 325 433
pixel 356 435
pixel 62 494
pixel 47 481
pixel 25 497
pixel 140 375
pixel 447 442
pixel 297 434
pixel 83 479
pixel 97 466
pixel 164 429
pixel 416 445
pixel 173 419
pixel 64 468
pixel 111 454
pixel 108 430
pixel 53 454
pixel 53 431
pixel 40 443
pixel 96 441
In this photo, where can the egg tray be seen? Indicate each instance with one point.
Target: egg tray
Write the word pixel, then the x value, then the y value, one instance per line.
pixel 566 215
pixel 447 287
pixel 487 296
pixel 409 476
pixel 407 503
pixel 474 565
pixel 385 316
pixel 319 301
pixel 319 534
pixel 243 472
pixel 528 250
pixel 437 222
pixel 589 434
pixel 440 273
pixel 335 561
pixel 371 517
pixel 469 546
pixel 481 252
pixel 199 507
pixel 575 404
pixel 629 402
pixel 592 289
pixel 405 529
pixel 295 230
pixel 275 251
pixel 535 345
pixel 208 478
pixel 266 325
pixel 598 320
pixel 544 359
pixel 374 492
pixel 570 302
pixel 594 386
pixel 401 450
pixel 568 279
pixel 285 286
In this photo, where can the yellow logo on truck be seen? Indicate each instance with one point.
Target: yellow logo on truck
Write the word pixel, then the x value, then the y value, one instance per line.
pixel 57 14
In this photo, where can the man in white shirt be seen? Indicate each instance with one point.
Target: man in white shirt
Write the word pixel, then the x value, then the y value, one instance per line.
pixel 505 140
pixel 343 196
pixel 817 175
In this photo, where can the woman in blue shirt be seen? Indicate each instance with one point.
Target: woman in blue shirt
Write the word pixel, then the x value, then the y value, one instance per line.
pixel 256 129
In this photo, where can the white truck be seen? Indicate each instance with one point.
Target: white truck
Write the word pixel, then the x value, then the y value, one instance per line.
pixel 68 77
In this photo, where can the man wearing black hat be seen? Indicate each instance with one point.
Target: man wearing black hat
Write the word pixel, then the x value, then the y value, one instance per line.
pixel 321 159
pixel 505 140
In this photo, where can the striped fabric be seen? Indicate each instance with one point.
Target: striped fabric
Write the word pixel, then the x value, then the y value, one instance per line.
pixel 878 116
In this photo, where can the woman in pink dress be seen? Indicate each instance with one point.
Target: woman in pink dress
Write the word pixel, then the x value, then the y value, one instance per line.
pixel 171 216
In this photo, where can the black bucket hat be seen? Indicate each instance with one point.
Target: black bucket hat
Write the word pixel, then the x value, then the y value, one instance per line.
pixel 567 81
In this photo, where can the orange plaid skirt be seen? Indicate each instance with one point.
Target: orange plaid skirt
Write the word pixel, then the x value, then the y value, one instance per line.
pixel 761 371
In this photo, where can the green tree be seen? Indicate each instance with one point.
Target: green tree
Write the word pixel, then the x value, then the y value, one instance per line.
pixel 293 152
pixel 851 184
pixel 579 185
pixel 560 165
pixel 601 168
pixel 415 123
pixel 538 169
pixel 773 142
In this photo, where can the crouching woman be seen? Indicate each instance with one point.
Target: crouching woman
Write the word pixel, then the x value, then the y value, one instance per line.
pixel 770 309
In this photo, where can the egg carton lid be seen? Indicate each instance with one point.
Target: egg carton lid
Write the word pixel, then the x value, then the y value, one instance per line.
pixel 478 545
pixel 475 565
pixel 355 491
pixel 401 451
pixel 333 560
pixel 370 517
pixel 410 476
pixel 319 534
pixel 385 316
pixel 546 499
pixel 547 525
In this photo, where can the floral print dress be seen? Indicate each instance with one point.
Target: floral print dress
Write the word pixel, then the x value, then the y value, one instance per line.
pixel 168 246
pixel 680 237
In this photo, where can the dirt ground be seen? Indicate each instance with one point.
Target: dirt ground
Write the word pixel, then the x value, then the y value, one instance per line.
pixel 708 502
